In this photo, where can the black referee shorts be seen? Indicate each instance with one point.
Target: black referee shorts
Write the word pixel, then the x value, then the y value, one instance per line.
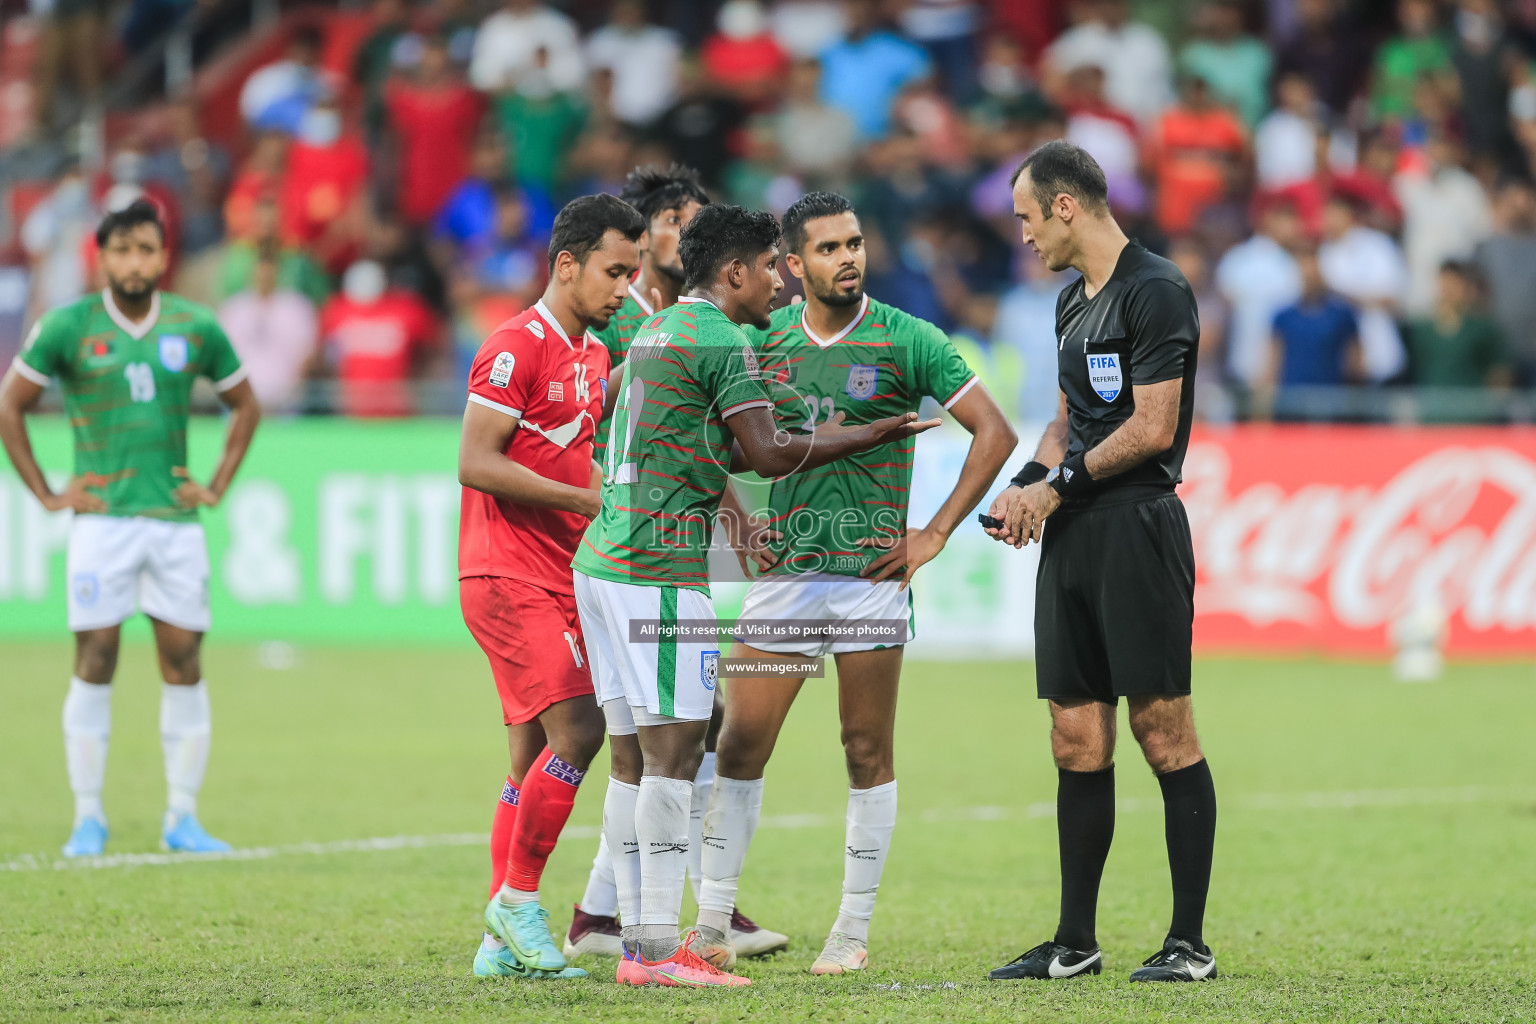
pixel 1115 601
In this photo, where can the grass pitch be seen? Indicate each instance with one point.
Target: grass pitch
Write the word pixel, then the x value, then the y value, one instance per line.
pixel 1374 857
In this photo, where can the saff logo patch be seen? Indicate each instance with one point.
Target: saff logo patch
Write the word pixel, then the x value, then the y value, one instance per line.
pixel 1104 375
pixel 709 669
pixel 173 352
pixel 861 381
pixel 501 369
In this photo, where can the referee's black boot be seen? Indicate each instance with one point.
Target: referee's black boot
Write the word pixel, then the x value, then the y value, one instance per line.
pixel 1050 960
pixel 1178 960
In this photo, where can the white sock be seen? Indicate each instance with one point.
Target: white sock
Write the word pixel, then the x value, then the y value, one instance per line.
pixel 185 727
pixel 511 897
pixel 703 782
pixel 87 731
pixel 491 943
pixel 624 849
pixel 871 820
pixel 661 825
pixel 602 896
pixel 728 828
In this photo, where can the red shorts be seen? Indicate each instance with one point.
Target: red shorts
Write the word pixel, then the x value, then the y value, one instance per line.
pixel 532 639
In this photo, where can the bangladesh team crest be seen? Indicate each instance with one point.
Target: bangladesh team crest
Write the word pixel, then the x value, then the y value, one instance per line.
pixel 173 352
pixel 861 381
pixel 1104 375
pixel 709 669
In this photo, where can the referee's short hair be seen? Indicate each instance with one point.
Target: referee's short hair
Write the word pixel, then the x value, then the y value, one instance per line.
pixel 1059 166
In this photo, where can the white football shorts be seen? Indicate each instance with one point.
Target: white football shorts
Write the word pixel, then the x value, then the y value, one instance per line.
pixel 673 679
pixel 119 565
pixel 825 598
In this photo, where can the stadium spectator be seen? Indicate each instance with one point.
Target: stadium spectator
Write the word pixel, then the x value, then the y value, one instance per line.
pixel 805 28
pixel 541 123
pixel 1366 267
pixel 456 21
pixel 274 331
pixel 863 73
pixel 513 260
pixel 377 338
pixel 259 177
pixel 70 38
pixel 1316 343
pixel 507 48
pixel 1481 55
pixel 1257 279
pixel 294 269
pixel 1108 133
pixel 322 190
pixel 435 118
pixel 1233 63
pixel 1507 261
pixel 1195 143
pixel 376 58
pixel 1328 51
pixel 742 57
pixel 1284 149
pixel 1137 67
pixel 947 29
pixel 1026 323
pixel 195 169
pixel 1445 216
pixel 1211 402
pixel 698 129
pixel 1419 50
pixel 1003 79
pixel 816 141
pixel 643 60
pixel 54 236
pixel 280 95
pixel 1457 346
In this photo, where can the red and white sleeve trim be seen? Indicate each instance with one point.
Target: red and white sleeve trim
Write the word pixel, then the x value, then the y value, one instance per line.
pixel 507 409
pixel 35 376
pixel 756 403
pixel 961 393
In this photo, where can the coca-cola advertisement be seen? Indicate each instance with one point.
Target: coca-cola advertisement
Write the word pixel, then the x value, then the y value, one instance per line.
pixel 1344 539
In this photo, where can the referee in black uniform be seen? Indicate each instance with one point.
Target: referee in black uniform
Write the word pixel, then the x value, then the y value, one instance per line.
pixel 1114 598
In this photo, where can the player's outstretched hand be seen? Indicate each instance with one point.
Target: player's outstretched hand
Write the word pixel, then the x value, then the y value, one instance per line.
pixel 76 498
pixel 894 428
pixel 191 494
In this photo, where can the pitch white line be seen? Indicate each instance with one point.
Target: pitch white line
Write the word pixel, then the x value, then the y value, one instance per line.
pixel 1326 800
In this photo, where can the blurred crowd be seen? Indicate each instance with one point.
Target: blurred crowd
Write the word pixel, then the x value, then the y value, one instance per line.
pixel 1347 186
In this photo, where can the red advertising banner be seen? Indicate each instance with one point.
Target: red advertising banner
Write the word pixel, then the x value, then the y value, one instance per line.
pixel 1323 538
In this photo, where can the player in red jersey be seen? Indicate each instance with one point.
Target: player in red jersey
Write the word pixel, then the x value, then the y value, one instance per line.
pixel 536 393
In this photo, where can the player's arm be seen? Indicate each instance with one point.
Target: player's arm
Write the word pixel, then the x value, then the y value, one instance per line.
pixel 772 452
pixel 19 396
pixel 484 467
pixel 992 441
pixel 244 414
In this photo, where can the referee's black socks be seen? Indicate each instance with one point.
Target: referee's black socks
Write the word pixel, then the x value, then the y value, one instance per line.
pixel 1085 825
pixel 1189 816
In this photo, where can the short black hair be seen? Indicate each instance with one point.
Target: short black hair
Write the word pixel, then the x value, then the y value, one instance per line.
pixel 1059 166
pixel 140 211
pixel 582 223
pixel 807 208
pixel 721 233
pixel 654 189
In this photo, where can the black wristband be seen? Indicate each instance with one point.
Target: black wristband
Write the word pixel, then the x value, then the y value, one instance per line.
pixel 1032 473
pixel 1072 479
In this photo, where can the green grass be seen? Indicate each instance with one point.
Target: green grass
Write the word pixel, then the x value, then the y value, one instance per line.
pixel 1419 910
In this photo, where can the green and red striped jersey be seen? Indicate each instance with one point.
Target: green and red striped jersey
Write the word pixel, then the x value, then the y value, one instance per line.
pixel 621 330
pixel 689 369
pixel 882 364
pixel 127 391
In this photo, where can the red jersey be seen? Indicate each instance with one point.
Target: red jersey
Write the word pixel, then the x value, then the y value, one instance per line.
pixel 554 385
pixel 437 130
pixel 375 345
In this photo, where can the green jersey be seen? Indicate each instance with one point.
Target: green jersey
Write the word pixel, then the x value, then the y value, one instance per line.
pixel 669 449
pixel 127 388
pixel 881 365
pixel 616 337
